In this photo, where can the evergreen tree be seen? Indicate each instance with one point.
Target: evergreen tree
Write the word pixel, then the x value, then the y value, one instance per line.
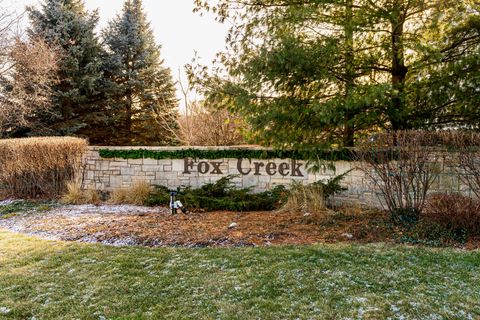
pixel 67 25
pixel 141 90
pixel 323 72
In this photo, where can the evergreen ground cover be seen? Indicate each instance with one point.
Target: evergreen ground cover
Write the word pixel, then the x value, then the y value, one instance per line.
pixel 51 280
pixel 222 195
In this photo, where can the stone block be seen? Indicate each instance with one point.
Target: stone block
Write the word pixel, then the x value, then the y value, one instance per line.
pixel 165 162
pixel 104 165
pixel 135 161
pixel 342 166
pixel 116 164
pixel 160 175
pixel 170 175
pixel 115 182
pixel 127 171
pixel 151 168
pixel 152 162
pixel 90 175
pixel 250 181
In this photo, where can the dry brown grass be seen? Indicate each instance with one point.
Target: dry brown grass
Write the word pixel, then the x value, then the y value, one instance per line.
pixel 92 196
pixel 118 196
pixel 34 167
pixel 75 195
pixel 454 211
pixel 137 194
pixel 306 199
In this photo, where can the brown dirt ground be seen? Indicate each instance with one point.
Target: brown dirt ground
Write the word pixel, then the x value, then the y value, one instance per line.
pixel 158 227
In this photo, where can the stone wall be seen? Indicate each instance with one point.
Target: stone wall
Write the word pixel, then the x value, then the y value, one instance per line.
pixel 260 175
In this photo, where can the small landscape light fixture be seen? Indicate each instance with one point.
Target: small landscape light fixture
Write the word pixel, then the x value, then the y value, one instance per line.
pixel 176 204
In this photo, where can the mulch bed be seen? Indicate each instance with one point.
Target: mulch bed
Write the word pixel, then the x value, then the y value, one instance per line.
pixel 156 227
pixel 130 225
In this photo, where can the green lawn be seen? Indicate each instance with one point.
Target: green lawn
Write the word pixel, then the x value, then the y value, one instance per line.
pixel 58 280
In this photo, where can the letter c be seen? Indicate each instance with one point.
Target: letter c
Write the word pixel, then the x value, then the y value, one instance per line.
pixel 239 167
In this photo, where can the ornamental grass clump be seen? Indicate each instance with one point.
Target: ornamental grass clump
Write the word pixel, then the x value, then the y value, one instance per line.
pixel 76 195
pixel 305 199
pixel 40 167
pixel 138 194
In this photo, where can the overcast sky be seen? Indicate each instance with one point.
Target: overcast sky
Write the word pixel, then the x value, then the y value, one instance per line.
pixel 176 27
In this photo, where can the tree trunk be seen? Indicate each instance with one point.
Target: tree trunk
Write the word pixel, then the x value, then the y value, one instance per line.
pixel 396 113
pixel 128 116
pixel 348 129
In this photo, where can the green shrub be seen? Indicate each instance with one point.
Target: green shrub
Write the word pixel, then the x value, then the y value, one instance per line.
pixel 21 206
pixel 221 195
pixel 332 186
pixel 327 155
pixel 430 233
pixel 405 217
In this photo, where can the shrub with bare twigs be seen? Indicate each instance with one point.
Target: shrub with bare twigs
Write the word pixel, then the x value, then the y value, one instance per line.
pixel 402 167
pixel 467 157
pixel 26 92
pixel 454 212
pixel 201 126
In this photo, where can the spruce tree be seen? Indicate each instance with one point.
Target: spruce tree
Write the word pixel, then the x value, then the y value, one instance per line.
pixel 67 25
pixel 141 90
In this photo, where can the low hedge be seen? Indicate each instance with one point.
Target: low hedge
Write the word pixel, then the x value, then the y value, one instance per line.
pixel 327 155
pixel 39 167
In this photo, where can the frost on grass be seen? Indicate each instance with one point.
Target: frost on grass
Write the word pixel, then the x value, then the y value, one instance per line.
pixel 6 202
pixel 4 310
pixel 77 218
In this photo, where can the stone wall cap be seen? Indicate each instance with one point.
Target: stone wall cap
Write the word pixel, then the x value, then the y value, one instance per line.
pixel 172 148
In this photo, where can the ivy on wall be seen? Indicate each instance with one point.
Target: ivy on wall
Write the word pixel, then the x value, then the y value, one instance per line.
pixel 325 155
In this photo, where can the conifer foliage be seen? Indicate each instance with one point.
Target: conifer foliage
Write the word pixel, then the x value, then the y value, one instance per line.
pixel 140 90
pixel 67 25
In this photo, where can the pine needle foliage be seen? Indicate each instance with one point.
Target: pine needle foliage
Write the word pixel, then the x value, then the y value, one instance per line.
pixel 70 28
pixel 140 89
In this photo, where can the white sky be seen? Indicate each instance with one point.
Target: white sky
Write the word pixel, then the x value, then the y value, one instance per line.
pixel 177 29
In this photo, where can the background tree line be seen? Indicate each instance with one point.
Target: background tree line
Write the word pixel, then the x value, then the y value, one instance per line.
pixel 64 79
pixel 310 73
pixel 295 74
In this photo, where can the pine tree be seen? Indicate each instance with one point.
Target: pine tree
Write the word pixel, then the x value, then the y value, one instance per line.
pixel 310 73
pixel 67 25
pixel 141 90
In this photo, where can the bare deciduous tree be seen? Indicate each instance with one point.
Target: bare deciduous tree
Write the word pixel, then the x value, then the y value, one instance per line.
pixel 207 126
pixel 27 90
pixel 204 126
pixel 27 86
pixel 27 71
pixel 402 166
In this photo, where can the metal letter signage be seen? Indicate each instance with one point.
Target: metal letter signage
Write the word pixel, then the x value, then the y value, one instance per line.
pixel 245 167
